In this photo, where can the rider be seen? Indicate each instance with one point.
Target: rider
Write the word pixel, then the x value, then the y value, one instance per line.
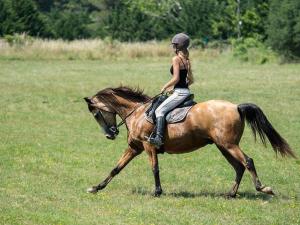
pixel 179 84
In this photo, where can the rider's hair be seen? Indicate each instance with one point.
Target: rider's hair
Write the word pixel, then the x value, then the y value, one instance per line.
pixel 185 53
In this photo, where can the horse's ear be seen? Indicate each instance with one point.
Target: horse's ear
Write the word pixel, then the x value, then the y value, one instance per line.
pixel 88 100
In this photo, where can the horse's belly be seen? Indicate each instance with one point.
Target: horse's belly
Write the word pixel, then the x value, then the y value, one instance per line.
pixel 184 144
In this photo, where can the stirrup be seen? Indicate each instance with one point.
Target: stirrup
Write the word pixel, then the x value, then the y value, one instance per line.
pixel 152 135
pixel 157 141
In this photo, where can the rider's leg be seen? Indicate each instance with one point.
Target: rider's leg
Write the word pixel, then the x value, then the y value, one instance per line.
pixel 170 103
pixel 159 132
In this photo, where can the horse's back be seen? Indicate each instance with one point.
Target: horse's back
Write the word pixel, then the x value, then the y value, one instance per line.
pixel 218 118
pixel 217 104
pixel 212 111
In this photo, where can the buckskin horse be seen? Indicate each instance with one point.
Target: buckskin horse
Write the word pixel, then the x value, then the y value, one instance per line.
pixel 212 122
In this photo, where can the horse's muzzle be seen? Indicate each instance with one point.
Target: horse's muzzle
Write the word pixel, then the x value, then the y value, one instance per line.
pixel 110 137
pixel 112 133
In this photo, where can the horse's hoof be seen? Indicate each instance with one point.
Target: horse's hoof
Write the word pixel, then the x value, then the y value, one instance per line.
pixel 92 190
pixel 267 190
pixel 157 193
pixel 230 195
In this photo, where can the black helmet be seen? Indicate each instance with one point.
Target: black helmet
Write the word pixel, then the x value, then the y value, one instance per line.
pixel 181 40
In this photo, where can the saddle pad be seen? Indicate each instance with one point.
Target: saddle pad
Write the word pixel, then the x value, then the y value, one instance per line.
pixel 175 116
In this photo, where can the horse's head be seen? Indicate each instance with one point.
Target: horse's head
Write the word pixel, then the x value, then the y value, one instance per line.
pixel 105 116
pixel 109 102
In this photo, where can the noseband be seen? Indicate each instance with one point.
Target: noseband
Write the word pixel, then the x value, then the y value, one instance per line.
pixel 98 115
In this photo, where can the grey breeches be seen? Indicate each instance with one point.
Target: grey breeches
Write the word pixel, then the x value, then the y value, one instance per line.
pixel 179 95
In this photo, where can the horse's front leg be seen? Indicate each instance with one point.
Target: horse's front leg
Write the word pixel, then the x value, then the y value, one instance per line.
pixel 155 169
pixel 151 151
pixel 128 155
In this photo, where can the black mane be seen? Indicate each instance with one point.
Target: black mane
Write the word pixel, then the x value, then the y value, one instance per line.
pixel 133 94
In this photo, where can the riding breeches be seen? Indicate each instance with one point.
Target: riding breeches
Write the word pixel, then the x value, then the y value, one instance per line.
pixel 178 96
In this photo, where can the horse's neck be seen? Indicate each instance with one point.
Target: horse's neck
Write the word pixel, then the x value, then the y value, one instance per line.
pixel 125 108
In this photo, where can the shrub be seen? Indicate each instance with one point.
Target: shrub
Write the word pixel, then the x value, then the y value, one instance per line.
pixel 198 44
pixel 252 50
pixel 18 40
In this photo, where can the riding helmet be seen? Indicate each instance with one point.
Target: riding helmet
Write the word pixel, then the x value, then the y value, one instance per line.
pixel 181 41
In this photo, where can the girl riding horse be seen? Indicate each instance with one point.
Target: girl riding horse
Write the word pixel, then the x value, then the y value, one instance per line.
pixel 214 121
pixel 181 79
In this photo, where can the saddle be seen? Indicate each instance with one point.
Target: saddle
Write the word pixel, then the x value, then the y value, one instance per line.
pixel 174 116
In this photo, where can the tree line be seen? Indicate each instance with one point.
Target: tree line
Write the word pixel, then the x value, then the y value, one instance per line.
pixel 274 22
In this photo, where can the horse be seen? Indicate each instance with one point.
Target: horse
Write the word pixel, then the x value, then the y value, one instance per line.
pixel 212 122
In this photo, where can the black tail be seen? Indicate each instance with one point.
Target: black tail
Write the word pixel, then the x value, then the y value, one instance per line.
pixel 259 123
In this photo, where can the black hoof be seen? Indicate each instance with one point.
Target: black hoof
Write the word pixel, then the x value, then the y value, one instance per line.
pixel 157 193
pixel 230 195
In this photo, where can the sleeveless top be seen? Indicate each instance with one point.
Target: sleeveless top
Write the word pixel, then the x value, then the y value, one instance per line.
pixel 182 83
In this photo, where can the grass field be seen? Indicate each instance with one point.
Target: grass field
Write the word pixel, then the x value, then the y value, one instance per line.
pixel 51 149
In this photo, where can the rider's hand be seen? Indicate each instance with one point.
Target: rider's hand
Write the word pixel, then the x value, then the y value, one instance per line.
pixel 163 90
pixel 170 91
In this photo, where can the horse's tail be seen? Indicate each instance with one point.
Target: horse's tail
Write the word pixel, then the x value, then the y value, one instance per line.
pixel 259 123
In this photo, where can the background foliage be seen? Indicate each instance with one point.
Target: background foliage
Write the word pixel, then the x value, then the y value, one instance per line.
pixel 136 20
pixel 284 27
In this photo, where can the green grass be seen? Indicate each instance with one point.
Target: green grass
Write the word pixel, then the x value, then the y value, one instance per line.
pixel 51 149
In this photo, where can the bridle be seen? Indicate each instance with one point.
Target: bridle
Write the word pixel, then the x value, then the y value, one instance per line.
pixel 115 129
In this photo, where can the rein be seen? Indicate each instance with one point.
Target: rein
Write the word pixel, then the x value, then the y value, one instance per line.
pixel 114 129
pixel 129 114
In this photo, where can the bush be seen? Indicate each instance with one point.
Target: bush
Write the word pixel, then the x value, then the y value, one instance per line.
pixel 18 40
pixel 70 25
pixel 252 50
pixel 198 44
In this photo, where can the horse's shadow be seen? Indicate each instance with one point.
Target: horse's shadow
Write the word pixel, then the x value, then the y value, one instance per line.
pixel 187 194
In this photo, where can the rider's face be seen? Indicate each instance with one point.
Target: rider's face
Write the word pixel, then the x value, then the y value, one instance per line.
pixel 174 46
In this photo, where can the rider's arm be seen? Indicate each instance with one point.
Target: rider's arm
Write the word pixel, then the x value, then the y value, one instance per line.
pixel 175 77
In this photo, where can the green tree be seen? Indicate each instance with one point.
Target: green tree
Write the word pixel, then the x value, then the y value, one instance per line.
pixel 224 25
pixel 27 18
pixel 284 27
pixel 144 20
pixel 73 19
pixel 253 14
pixel 254 17
pixel 6 24
pixel 196 17
pixel 45 5
pixel 129 23
pixel 70 25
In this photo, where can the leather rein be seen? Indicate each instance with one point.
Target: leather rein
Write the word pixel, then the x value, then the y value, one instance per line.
pixel 115 129
pixel 129 114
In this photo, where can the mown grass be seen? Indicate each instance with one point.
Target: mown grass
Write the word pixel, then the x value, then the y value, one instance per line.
pixel 51 149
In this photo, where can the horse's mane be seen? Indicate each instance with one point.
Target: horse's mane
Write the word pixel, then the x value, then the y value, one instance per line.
pixel 132 94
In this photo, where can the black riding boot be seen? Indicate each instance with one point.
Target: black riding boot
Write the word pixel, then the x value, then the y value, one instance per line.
pixel 160 130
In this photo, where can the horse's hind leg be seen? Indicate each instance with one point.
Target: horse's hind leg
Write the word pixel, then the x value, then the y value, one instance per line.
pixel 236 152
pixel 258 186
pixel 239 170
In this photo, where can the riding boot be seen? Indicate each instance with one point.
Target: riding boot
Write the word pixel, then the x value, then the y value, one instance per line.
pixel 160 130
